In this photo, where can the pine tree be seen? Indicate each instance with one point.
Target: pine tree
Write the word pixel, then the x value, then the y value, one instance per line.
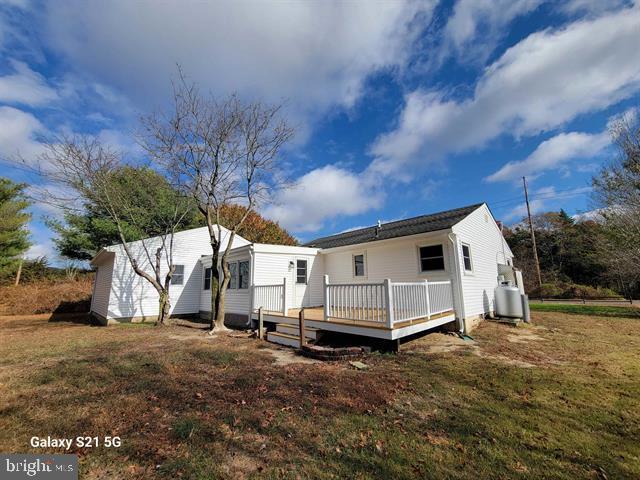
pixel 14 236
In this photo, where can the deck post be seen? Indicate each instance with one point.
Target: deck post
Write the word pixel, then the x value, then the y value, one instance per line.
pixel 326 299
pixel 284 296
pixel 260 324
pixel 303 336
pixel 389 298
pixel 426 289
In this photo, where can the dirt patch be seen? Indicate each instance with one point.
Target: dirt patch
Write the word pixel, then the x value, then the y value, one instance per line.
pixel 523 335
pixel 288 357
pixel 438 343
pixel 503 359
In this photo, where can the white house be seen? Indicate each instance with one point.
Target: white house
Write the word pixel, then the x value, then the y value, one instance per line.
pixel 388 281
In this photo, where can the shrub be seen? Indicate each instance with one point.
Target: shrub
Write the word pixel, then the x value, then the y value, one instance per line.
pixel 572 290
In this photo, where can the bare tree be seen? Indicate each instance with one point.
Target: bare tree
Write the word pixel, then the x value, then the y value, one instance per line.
pixel 617 195
pixel 220 152
pixel 140 203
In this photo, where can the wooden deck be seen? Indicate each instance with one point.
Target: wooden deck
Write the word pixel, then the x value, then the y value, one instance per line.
pixel 314 317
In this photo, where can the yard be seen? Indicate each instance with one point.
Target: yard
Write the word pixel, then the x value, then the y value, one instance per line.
pixel 559 399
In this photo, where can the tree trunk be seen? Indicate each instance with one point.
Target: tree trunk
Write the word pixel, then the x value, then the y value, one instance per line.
pixel 215 289
pixel 164 307
pixel 220 313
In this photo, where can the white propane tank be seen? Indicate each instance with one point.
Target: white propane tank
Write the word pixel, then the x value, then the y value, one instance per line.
pixel 508 301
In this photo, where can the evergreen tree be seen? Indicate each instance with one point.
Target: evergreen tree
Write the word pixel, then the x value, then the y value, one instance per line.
pixel 14 236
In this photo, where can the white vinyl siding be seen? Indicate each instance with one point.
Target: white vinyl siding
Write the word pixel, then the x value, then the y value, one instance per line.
pixel 489 248
pixel 272 266
pixel 397 259
pixel 133 296
pixel 236 299
pixel 102 288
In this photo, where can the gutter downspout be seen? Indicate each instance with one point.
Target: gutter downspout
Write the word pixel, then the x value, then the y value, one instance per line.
pixel 252 264
pixel 456 256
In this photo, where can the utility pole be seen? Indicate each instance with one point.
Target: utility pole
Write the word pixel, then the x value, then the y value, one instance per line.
pixel 17 282
pixel 533 234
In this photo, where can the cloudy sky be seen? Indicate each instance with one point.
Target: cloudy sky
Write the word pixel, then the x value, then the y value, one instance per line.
pixel 400 108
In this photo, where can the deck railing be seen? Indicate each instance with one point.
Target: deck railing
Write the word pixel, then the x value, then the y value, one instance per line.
pixel 271 298
pixel 386 303
pixel 440 297
pixel 363 301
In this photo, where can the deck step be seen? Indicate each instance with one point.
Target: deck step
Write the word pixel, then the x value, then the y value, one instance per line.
pixel 310 333
pixel 284 339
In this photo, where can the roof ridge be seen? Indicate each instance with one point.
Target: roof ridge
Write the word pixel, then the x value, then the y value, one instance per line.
pixel 351 233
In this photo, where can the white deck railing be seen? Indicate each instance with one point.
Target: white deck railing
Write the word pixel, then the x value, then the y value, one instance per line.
pixel 363 301
pixel 386 303
pixel 271 298
pixel 440 297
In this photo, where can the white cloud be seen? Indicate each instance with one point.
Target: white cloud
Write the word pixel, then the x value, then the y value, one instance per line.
pixel 315 54
pixel 25 86
pixel 539 84
pixel 41 250
pixel 18 132
pixel 476 26
pixel 591 7
pixel 552 154
pixel 323 194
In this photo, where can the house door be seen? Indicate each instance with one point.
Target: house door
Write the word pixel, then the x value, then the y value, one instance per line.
pixel 300 282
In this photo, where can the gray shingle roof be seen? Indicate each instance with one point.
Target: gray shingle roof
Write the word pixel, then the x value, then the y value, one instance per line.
pixel 400 228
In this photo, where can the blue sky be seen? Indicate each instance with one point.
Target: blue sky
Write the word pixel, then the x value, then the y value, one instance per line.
pixel 400 108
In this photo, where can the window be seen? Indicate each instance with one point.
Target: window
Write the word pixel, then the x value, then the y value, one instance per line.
pixel 178 275
pixel 466 255
pixel 207 278
pixel 301 271
pixel 243 274
pixel 358 265
pixel 233 271
pixel 431 258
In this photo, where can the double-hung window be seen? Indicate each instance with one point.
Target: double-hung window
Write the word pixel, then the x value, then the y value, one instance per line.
pixel 207 278
pixel 233 272
pixel 178 275
pixel 358 265
pixel 243 275
pixel 239 275
pixel 466 256
pixel 431 258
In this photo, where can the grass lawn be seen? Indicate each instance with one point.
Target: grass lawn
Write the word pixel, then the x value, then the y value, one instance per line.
pixel 591 310
pixel 558 399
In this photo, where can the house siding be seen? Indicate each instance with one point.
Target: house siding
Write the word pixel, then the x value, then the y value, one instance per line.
pixel 272 267
pixel 236 300
pixel 102 288
pixel 133 296
pixel 396 259
pixel 488 248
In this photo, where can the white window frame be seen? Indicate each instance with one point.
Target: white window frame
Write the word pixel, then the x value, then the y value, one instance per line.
pixel 306 270
pixel 464 265
pixel 364 264
pixel 204 278
pixel 444 258
pixel 233 276
pixel 240 287
pixel 177 275
pixel 236 277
